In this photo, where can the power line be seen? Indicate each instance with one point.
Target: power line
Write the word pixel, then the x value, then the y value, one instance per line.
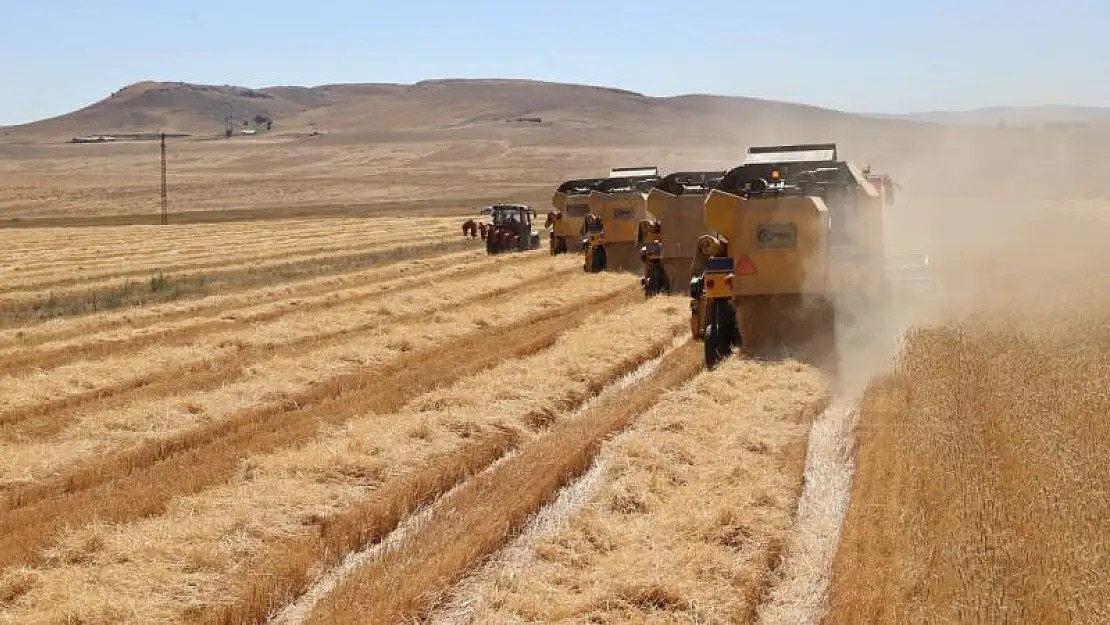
pixel 165 200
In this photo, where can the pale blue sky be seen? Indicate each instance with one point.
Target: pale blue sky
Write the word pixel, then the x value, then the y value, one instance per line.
pixel 857 55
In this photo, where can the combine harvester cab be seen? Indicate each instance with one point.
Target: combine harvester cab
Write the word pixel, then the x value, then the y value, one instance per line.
pixel 617 205
pixel 510 228
pixel 571 203
pixel 668 237
pixel 796 251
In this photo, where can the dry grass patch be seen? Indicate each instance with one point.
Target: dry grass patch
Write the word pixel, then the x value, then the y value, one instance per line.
pixel 133 334
pixel 696 504
pixel 35 305
pixel 170 411
pixel 134 323
pixel 483 514
pixel 149 566
pixel 981 492
pixel 137 482
pixel 37 393
pixel 220 256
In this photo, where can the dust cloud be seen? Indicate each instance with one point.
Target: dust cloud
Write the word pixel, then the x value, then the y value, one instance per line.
pixel 1016 229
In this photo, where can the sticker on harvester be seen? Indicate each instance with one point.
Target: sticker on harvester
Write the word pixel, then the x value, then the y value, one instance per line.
pixel 776 236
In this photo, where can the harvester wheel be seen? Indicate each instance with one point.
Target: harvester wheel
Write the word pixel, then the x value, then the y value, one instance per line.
pixel 657 280
pixel 720 332
pixel 599 260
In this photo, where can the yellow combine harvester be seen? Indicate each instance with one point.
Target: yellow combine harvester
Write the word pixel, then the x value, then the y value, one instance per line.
pixel 798 246
pixel 617 206
pixel 571 202
pixel 668 237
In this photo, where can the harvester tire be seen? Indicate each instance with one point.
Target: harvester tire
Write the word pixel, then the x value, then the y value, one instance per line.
pixel 599 260
pixel 720 333
pixel 657 281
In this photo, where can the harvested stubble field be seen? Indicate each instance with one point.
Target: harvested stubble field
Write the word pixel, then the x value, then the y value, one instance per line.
pixel 214 453
pixel 370 429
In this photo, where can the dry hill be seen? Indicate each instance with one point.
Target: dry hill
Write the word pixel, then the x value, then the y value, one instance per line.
pixel 465 141
pixel 432 104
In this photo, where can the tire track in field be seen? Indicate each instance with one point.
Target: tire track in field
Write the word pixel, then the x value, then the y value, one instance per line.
pixel 478 518
pixel 44 419
pixel 138 483
pixel 182 335
pixel 25 312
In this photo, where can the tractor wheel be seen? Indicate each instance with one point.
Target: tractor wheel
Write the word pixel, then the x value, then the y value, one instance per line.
pixel 491 244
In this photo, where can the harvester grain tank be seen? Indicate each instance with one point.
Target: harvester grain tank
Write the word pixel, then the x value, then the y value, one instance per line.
pixel 571 203
pixel 617 206
pixel 667 238
pixel 510 228
pixel 796 240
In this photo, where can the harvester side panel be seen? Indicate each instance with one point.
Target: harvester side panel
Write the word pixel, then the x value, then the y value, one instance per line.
pixel 683 222
pixel 620 213
pixel 568 225
pixel 559 201
pixel 785 239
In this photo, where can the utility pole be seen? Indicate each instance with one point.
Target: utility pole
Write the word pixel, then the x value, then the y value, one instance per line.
pixel 165 201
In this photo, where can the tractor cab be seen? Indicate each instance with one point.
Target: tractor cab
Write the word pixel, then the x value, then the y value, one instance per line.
pixel 510 214
pixel 510 228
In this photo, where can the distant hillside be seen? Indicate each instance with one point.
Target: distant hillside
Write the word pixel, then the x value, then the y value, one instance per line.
pixel 1011 115
pixel 426 105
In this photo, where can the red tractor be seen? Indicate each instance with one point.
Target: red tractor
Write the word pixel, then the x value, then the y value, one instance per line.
pixel 510 228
